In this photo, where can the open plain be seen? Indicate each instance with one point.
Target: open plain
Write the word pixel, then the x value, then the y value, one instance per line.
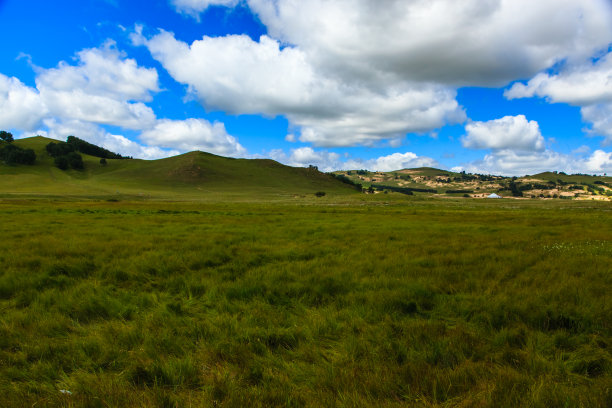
pixel 341 300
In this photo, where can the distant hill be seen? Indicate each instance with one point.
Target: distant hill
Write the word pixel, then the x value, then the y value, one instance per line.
pixel 190 174
pixel 431 181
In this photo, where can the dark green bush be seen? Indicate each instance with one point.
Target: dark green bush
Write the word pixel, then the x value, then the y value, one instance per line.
pixel 61 162
pixel 12 154
pixel 6 136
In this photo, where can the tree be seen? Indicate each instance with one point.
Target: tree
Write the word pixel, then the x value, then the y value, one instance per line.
pixel 27 156
pixel 12 154
pixel 320 193
pixel 103 161
pixel 515 190
pixel 61 162
pixel 59 149
pixel 65 156
pixel 75 160
pixel 82 146
pixel 6 136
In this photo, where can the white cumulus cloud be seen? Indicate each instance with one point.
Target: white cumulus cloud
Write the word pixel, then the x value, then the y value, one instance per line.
pixel 193 8
pixel 509 132
pixel 395 161
pixel 599 162
pixel 241 76
pixel 193 134
pixel 520 163
pixel 330 161
pixel 587 85
pixel 600 118
pixel 581 84
pixel 468 42
pixel 104 87
pixel 307 156
pixel 20 105
pixel 348 72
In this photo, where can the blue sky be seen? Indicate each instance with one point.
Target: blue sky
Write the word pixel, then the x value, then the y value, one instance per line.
pixel 495 86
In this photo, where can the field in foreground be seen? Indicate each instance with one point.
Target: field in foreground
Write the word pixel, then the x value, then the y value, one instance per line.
pixel 414 303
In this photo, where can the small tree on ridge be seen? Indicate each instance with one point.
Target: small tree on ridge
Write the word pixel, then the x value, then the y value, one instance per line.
pixel 6 136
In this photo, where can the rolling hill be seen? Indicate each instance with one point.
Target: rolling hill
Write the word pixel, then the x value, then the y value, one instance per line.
pixel 201 175
pixel 187 175
pixel 427 180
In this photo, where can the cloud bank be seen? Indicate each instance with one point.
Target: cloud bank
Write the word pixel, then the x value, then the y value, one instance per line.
pixel 512 163
pixel 469 42
pixel 193 134
pixel 509 132
pixel 353 72
pixel 343 73
pixel 238 75
pixel 330 161
pixel 105 88
pixel 587 84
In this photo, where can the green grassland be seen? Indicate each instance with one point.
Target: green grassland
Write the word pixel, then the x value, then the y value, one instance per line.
pixel 203 281
pixel 345 300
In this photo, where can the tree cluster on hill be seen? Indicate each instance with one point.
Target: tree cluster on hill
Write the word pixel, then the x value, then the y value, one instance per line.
pixel 82 146
pixel 405 177
pixel 516 192
pixel 513 187
pixel 11 154
pixel 463 176
pixel 402 190
pixel 65 156
pixel 348 181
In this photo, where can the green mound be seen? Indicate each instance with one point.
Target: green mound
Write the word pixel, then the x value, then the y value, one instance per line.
pixel 187 175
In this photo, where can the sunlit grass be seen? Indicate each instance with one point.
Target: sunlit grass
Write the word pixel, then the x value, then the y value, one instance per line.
pixel 368 303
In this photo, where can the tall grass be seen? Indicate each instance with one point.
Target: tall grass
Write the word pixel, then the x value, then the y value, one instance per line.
pixel 413 303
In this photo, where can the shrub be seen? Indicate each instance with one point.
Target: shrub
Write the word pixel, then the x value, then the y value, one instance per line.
pixel 82 146
pixel 61 162
pixel 12 154
pixel 65 156
pixel 347 180
pixel 75 160
pixel 59 149
pixel 6 136
pixel 320 193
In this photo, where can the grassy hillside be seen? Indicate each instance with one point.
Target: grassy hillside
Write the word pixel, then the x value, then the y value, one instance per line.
pixel 569 178
pixel 428 181
pixel 418 303
pixel 194 174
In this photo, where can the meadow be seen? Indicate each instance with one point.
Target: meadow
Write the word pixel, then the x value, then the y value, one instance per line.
pixel 306 302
